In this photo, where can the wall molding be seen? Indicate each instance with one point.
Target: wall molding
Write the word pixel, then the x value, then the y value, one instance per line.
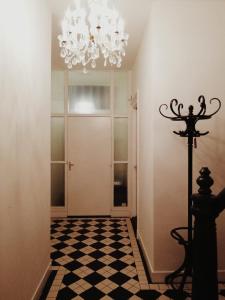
pixel 159 276
pixel 42 282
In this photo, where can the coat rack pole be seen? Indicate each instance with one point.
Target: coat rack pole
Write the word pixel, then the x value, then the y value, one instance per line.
pixel 190 174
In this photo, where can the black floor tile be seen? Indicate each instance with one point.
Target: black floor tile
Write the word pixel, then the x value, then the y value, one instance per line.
pixel 70 278
pixel 97 254
pixel 74 265
pixel 120 293
pixel 96 265
pixel 66 294
pixel 149 294
pixel 176 295
pixel 119 278
pixel 94 278
pixel 92 294
pixel 118 265
pixel 117 254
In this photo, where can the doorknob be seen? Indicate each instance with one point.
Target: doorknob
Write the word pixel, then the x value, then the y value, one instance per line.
pixel 70 164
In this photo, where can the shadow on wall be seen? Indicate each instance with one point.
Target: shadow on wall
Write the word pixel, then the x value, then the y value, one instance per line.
pixel 210 153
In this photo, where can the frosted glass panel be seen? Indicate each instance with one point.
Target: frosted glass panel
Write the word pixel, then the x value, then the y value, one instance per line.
pixel 121 93
pixel 91 78
pixel 57 139
pixel 89 99
pixel 57 185
pixel 120 185
pixel 57 92
pixel 120 139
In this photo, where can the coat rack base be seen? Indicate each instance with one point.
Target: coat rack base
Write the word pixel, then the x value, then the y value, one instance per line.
pixel 178 278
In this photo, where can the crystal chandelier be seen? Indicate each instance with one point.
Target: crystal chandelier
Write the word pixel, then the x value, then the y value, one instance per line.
pixel 87 35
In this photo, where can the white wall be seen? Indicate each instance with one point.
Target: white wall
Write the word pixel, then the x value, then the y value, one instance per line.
pixel 24 146
pixel 181 56
pixel 140 82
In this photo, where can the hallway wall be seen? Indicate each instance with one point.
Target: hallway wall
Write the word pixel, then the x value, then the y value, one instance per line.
pixel 25 66
pixel 181 56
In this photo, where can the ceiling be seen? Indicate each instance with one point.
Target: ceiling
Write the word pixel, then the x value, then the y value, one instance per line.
pixel 134 12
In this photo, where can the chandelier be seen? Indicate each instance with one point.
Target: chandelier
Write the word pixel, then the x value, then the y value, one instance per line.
pixel 89 34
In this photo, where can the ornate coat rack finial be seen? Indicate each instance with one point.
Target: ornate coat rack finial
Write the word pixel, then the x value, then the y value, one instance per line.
pixel 190 119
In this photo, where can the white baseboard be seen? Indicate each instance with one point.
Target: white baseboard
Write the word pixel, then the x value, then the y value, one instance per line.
pixel 55 214
pixel 42 283
pixel 159 276
pixel 58 212
pixel 156 276
pixel 120 213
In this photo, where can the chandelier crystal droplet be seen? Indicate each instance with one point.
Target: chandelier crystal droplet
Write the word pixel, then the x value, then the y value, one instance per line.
pixel 87 36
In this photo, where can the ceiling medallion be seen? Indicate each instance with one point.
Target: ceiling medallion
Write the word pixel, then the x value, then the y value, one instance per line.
pixel 88 34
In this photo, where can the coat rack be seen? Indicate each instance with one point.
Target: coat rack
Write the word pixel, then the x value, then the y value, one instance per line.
pixel 191 133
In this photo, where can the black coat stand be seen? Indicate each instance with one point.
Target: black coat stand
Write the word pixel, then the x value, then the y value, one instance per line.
pixel 185 270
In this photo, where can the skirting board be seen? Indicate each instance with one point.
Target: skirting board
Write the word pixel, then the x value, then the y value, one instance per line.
pixel 41 285
pixel 114 213
pixel 156 276
pixel 120 213
pixel 58 214
pixel 159 276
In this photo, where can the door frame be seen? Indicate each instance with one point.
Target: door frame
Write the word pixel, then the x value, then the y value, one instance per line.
pixel 137 95
pixel 115 211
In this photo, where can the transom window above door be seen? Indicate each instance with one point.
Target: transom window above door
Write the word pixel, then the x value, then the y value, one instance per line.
pixel 86 99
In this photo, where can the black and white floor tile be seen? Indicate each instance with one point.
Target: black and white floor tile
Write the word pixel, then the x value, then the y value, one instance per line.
pixel 100 259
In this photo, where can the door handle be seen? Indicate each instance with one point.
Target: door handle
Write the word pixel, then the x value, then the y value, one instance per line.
pixel 70 164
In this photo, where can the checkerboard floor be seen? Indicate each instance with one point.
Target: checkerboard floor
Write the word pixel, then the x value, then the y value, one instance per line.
pixel 100 259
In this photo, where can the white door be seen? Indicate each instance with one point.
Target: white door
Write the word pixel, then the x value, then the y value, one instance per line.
pixel 90 177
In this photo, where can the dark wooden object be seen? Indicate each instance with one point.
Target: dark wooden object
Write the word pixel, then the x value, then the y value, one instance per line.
pixel 206 208
pixel 191 133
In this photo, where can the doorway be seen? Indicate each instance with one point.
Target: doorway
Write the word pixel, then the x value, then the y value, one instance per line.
pixel 90 137
pixel 134 101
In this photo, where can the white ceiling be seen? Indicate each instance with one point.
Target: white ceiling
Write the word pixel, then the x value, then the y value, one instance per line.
pixel 134 12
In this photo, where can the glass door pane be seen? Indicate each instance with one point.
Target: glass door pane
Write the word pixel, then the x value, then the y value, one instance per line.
pixel 57 92
pixel 120 139
pixel 120 185
pixel 89 99
pixel 121 93
pixel 58 185
pixel 57 139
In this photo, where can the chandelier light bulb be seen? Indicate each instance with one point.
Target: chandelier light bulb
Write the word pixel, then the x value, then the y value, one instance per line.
pixel 87 35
